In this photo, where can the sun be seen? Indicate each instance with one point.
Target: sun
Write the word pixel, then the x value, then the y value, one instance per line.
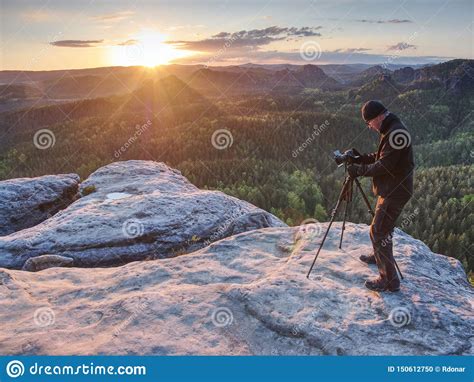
pixel 147 48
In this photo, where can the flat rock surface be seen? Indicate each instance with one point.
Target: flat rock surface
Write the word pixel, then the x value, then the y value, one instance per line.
pixel 245 294
pixel 25 202
pixel 134 210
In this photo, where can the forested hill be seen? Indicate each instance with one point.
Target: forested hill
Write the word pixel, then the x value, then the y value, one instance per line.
pixel 263 134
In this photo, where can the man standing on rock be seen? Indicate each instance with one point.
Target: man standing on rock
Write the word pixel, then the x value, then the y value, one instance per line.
pixel 391 169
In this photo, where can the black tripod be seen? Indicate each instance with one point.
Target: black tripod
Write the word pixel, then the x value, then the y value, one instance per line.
pixel 346 195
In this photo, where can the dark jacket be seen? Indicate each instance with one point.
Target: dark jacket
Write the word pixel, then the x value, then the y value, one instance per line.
pixel 392 166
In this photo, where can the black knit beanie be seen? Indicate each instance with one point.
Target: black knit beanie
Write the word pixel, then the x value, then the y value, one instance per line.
pixel 372 109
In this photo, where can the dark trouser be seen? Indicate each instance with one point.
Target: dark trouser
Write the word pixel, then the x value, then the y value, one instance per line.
pixel 386 213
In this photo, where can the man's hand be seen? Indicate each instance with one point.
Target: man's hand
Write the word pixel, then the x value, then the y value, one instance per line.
pixel 355 170
pixel 354 155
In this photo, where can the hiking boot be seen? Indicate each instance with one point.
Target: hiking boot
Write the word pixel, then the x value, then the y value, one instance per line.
pixel 368 259
pixel 380 285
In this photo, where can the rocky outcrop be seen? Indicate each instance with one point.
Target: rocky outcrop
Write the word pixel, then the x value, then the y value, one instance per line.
pixel 39 263
pixel 404 75
pixel 246 294
pixel 456 77
pixel 305 76
pixel 369 75
pixel 26 202
pixel 134 210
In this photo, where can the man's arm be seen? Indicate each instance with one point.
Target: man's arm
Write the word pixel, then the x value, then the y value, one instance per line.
pixel 385 165
pixel 362 158
pixel 367 158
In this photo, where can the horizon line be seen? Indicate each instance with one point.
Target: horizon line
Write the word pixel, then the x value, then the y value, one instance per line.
pixel 237 65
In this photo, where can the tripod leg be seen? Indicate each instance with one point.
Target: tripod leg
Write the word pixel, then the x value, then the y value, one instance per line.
pixel 395 262
pixel 343 223
pixel 373 214
pixel 369 207
pixel 333 215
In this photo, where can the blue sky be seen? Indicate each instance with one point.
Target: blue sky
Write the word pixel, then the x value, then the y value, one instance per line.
pixel 42 34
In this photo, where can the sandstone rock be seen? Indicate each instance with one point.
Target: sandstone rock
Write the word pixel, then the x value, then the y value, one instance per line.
pixel 246 294
pixel 134 210
pixel 39 263
pixel 26 202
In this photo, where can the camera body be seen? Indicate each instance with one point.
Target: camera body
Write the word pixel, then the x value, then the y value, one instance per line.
pixel 348 157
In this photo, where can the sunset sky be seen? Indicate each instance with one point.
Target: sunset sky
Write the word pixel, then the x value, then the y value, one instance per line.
pixel 41 35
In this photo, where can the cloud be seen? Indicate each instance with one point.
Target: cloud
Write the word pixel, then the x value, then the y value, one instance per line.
pixel 77 43
pixel 338 56
pixel 350 50
pixel 249 46
pixel 391 21
pixel 247 38
pixel 113 17
pixel 401 46
pixel 252 45
pixel 128 42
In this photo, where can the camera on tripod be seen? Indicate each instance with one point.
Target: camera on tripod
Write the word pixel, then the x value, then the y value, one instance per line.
pixel 348 157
